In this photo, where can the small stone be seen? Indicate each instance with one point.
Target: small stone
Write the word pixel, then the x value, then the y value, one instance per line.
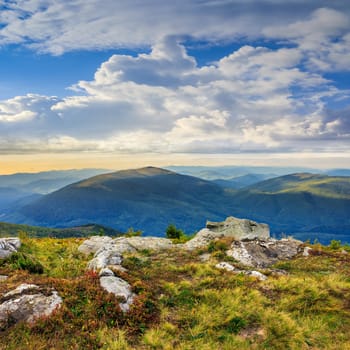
pixel 225 266
pixel 106 272
pixel 204 257
pixel 228 267
pixel 257 274
pixel 306 251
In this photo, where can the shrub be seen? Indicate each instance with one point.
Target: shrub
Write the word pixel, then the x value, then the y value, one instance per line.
pixel 132 233
pixel 21 261
pixel 174 233
pixel 335 245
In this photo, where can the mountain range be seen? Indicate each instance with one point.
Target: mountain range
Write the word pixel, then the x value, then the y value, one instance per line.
pixel 148 199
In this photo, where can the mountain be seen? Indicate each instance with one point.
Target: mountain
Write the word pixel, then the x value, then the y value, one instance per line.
pixel 338 172
pixel 229 172
pixel 147 199
pixel 300 204
pixel 243 181
pixel 46 181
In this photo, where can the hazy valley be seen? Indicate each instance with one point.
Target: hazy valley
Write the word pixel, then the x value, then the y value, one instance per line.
pixel 309 206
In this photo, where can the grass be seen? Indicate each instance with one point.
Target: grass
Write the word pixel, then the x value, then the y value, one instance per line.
pixel 183 303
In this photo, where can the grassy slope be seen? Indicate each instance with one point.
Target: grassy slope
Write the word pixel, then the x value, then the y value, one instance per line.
pixel 7 229
pixel 183 303
pixel 318 185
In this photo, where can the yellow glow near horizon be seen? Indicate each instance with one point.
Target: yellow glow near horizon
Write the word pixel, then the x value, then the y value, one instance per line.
pixel 61 161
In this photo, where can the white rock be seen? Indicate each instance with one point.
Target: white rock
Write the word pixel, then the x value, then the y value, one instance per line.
pixel 240 228
pixel 204 257
pixel 202 239
pixel 228 267
pixel 9 246
pixel 119 288
pixel 21 288
pixel 239 252
pixel 27 303
pixel 106 272
pixel 93 244
pixel 256 274
pixel 265 252
pixel 225 266
pixel 151 243
pixel 232 227
pixel 306 251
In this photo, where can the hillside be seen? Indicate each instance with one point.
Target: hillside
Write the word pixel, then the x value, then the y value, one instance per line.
pixel 147 199
pixel 315 184
pixel 46 181
pixel 243 181
pixel 300 204
pixel 7 229
pixel 183 301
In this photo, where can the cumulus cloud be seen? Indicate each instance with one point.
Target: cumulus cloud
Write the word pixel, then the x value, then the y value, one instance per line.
pixel 61 26
pixel 253 100
pixel 324 38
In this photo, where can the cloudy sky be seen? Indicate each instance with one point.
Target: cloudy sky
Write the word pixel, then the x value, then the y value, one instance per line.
pixel 128 83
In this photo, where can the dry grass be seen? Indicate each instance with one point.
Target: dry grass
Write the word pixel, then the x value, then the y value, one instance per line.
pixel 184 303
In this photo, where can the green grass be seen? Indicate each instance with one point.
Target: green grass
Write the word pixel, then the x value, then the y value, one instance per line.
pixel 183 303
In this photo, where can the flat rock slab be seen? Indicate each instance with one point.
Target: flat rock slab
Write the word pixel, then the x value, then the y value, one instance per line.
pixel 110 251
pixel 93 244
pixel 264 253
pixel 238 229
pixel 9 246
pixel 27 303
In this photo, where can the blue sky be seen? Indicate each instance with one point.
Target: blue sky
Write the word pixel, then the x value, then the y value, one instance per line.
pixel 85 83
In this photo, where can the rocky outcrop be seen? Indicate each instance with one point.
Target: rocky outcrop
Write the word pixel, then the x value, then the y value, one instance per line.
pixel 27 303
pixel 228 267
pixel 93 244
pixel 264 252
pixel 109 252
pixel 239 228
pixel 232 227
pixel 109 256
pixel 9 246
pixel 120 245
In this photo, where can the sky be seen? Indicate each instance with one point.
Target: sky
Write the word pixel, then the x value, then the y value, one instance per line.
pixel 128 83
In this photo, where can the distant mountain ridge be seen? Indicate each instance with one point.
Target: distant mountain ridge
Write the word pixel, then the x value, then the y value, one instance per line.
pixel 147 199
pixel 150 198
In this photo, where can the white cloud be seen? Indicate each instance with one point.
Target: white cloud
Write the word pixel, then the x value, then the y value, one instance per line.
pixel 324 38
pixel 61 26
pixel 255 99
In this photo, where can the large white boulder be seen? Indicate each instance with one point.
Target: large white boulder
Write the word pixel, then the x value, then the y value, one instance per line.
pixel 238 229
pixel 27 303
pixel 264 252
pixel 9 246
pixel 120 289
